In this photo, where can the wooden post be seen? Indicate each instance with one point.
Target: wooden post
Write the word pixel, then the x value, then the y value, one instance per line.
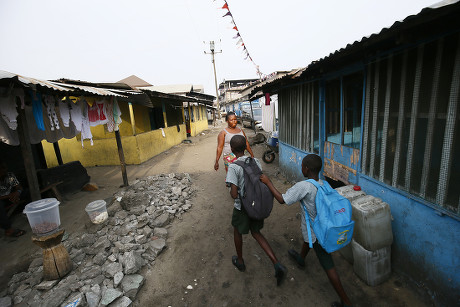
pixel 163 108
pixel 26 150
pixel 122 158
pixel 131 115
pixel 57 151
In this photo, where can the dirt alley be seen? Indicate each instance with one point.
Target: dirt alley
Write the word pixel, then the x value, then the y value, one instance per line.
pixel 200 245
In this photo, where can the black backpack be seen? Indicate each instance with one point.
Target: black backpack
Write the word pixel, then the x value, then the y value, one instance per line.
pixel 257 200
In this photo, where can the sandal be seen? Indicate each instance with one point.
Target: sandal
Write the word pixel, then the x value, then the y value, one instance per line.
pixel 296 256
pixel 15 233
pixel 240 266
pixel 280 273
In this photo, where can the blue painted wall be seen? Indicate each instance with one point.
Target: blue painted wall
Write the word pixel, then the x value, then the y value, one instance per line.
pixel 426 245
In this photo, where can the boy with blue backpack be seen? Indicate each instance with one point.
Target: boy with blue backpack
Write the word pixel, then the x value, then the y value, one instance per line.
pixel 306 192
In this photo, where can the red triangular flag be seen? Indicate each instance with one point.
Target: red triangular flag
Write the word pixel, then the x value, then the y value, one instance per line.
pixel 225 6
pixel 235 28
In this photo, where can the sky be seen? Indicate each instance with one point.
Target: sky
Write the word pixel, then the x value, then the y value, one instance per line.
pixel 164 41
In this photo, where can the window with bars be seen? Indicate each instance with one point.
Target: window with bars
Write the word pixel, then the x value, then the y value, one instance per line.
pixel 411 122
pixel 299 116
pixel 343 99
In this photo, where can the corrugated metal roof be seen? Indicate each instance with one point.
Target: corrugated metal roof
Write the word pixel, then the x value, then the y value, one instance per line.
pixel 67 87
pixel 365 40
pixel 174 88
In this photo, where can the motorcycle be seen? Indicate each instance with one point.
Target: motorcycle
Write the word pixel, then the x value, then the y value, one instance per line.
pixel 272 144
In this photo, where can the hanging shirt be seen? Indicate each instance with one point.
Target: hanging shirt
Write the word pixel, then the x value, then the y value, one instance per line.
pixel 8 111
pixel 64 111
pixel 75 110
pixel 85 128
pixel 7 135
pixel 37 109
pixel 109 114
pixel 35 135
pixel 93 115
pixel 50 103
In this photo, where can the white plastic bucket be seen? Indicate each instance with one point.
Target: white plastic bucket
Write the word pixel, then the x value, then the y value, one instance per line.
pixel 97 211
pixel 43 215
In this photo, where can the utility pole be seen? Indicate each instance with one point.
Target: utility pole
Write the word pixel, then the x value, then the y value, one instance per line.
pixel 212 48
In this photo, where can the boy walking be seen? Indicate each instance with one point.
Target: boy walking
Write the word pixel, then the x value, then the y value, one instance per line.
pixel 240 220
pixel 306 191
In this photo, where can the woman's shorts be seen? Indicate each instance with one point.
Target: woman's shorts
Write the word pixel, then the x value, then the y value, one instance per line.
pixel 242 222
pixel 324 258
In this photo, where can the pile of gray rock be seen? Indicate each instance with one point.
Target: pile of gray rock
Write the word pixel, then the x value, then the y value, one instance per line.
pixel 108 258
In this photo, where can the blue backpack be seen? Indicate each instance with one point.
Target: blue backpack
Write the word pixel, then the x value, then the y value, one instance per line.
pixel 333 226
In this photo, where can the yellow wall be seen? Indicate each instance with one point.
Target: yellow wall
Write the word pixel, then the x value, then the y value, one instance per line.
pixel 141 119
pixel 201 123
pixel 137 149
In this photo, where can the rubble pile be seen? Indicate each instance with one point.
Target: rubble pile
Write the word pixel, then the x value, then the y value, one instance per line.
pixel 108 258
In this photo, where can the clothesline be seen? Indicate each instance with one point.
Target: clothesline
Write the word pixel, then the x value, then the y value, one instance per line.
pixel 51 117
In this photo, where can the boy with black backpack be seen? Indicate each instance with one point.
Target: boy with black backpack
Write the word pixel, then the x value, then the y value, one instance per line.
pixel 241 221
pixel 305 192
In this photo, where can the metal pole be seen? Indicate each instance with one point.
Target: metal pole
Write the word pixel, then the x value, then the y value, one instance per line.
pixel 215 80
pixel 211 46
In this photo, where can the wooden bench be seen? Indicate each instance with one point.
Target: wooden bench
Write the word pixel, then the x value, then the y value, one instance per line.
pixel 51 187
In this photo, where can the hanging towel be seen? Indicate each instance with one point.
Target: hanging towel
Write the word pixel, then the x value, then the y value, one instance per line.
pixel 116 114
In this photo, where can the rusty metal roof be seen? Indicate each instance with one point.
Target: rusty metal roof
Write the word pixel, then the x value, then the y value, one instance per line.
pixel 65 87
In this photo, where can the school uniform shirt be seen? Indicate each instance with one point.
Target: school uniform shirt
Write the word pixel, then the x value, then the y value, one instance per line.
pixel 305 191
pixel 235 175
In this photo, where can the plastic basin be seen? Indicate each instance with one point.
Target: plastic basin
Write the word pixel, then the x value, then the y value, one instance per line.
pixel 97 211
pixel 43 215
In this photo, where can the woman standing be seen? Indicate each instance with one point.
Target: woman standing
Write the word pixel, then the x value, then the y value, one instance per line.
pixel 223 141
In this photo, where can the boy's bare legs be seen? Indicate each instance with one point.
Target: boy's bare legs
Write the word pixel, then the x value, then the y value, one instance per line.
pixel 265 246
pixel 335 281
pixel 305 250
pixel 280 270
pixel 332 275
pixel 238 239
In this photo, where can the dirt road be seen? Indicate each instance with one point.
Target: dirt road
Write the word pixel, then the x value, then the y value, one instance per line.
pixel 200 245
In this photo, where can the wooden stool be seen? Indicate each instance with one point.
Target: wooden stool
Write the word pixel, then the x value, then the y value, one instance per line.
pixel 56 259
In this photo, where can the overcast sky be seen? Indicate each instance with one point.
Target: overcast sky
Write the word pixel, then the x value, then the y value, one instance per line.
pixel 162 41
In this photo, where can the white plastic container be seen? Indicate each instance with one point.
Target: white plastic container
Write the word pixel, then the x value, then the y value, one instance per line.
pixel 43 215
pixel 349 193
pixel 372 222
pixel 347 253
pixel 97 211
pixel 374 267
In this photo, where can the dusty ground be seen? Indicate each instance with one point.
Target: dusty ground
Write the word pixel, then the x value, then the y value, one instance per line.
pixel 200 245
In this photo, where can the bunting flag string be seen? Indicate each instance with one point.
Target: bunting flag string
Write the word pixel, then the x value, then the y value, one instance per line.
pixel 240 42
